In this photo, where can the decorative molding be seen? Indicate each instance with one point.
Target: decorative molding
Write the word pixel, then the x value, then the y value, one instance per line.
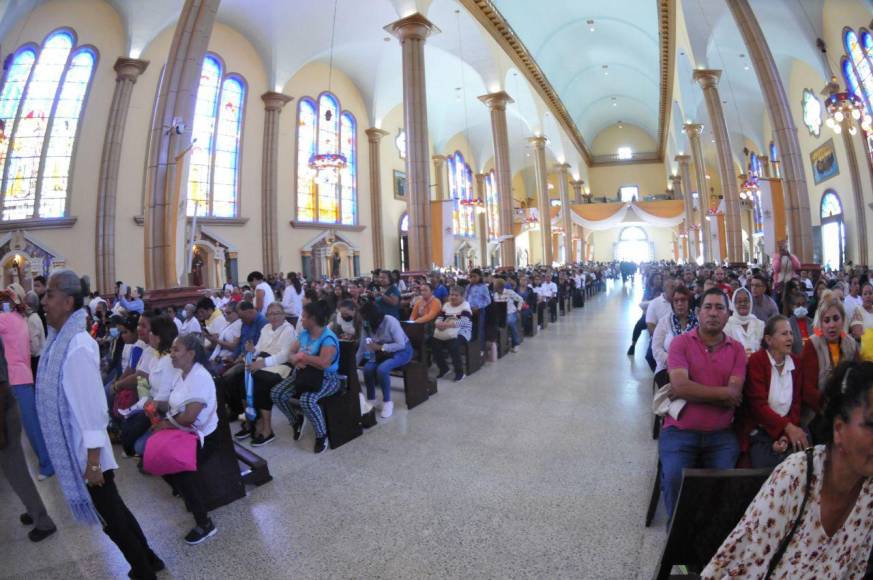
pixel 206 221
pixel 317 226
pixel 38 224
pixel 667 37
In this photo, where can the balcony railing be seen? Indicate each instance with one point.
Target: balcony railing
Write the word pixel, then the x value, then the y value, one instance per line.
pixel 614 159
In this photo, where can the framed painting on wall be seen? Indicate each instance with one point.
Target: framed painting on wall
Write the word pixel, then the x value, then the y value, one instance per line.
pixel 824 162
pixel 400 185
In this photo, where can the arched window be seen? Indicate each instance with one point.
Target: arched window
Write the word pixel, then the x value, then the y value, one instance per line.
pixel 833 231
pixel 633 245
pixel 861 82
pixel 404 242
pixel 324 128
pixel 213 174
pixel 461 186
pixel 491 206
pixel 41 102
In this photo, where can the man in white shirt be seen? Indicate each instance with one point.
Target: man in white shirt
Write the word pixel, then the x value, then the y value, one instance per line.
pixel 263 292
pixel 658 309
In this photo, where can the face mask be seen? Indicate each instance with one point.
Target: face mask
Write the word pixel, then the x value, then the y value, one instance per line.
pixel 114 332
pixel 800 311
pixel 348 318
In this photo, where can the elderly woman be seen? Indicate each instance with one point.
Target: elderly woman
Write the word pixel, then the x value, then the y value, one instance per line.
pixel 819 526
pixel 268 368
pixel 190 324
pixel 453 328
pixel 192 406
pixel 15 335
pixel 226 341
pixel 743 326
pixel 73 414
pixel 383 339
pixel 315 355
pixel 801 323
pixel 862 316
pixel 680 321
pixel 514 302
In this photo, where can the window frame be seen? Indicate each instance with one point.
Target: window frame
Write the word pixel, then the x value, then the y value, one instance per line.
pixel 75 49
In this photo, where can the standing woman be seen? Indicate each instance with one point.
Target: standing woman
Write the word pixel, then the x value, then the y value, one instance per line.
pixel 36 329
pixel 743 326
pixel 73 414
pixel 192 407
pixel 15 335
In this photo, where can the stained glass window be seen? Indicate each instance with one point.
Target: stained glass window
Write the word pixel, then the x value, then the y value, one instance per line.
pixel 461 186
pixel 491 206
pixel 324 128
pixel 213 171
pixel 41 101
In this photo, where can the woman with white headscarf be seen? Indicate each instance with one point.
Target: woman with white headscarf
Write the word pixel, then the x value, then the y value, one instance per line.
pixel 743 326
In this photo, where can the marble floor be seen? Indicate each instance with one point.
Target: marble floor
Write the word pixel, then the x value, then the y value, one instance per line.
pixel 538 466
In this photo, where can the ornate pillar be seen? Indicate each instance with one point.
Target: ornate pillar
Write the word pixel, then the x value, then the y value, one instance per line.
pixel 412 31
pixel 166 174
pixel 544 208
pixel 273 104
pixel 439 176
pixel 577 185
pixel 481 220
pixel 128 70
pixel 374 138
pixel 566 217
pixel 708 81
pixel 684 162
pixel 676 184
pixel 765 165
pixel 693 130
pixel 583 245
pixel 500 136
pixel 784 131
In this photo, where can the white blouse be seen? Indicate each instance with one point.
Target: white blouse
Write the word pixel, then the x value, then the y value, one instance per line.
pixel 197 387
pixel 781 386
pixel 230 332
pixel 750 337
pixel 162 377
pixel 277 342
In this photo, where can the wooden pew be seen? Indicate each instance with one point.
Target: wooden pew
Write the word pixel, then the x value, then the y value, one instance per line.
pixel 342 414
pixel 418 335
pixel 501 330
pixel 711 503
pixel 348 366
pixel 472 352
pixel 231 466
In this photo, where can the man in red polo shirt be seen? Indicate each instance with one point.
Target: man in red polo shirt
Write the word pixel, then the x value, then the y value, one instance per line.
pixel 707 370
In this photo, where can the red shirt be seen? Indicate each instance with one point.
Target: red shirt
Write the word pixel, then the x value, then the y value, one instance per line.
pixel 711 368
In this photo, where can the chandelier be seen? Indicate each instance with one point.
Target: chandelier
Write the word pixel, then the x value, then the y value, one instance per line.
pixel 844 107
pixel 749 188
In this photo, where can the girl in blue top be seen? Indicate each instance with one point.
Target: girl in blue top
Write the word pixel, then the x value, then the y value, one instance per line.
pixel 316 347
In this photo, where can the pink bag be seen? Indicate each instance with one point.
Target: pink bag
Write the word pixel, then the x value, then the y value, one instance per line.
pixel 170 451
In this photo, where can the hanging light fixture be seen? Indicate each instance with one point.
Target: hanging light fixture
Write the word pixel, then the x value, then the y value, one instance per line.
pixel 327 166
pixel 845 108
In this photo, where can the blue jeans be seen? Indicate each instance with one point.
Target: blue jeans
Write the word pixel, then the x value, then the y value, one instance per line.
pixel 26 397
pixel 680 449
pixel 382 372
pixel 512 323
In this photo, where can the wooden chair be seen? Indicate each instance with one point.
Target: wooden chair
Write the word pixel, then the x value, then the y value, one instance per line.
pixel 711 503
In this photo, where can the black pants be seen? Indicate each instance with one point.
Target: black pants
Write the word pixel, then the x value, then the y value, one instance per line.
pixel 264 381
pixel 122 528
pixel 232 385
pixel 553 309
pixel 454 347
pixel 189 485
pixel 638 329
pixel 132 428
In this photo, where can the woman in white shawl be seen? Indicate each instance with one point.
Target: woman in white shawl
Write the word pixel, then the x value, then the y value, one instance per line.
pixel 743 326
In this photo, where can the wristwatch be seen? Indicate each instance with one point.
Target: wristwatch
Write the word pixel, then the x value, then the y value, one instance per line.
pixel 94 468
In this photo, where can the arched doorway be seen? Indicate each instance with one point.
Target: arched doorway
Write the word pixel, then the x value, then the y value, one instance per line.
pixel 404 242
pixel 833 231
pixel 633 245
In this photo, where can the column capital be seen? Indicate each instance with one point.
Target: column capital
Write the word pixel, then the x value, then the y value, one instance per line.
pixel 706 77
pixel 439 158
pixel 415 26
pixel 562 167
pixel 129 69
pixel 764 159
pixel 274 101
pixel 682 159
pixel 577 183
pixel 497 101
pixel 375 135
pixel 675 177
pixel 539 142
pixel 693 130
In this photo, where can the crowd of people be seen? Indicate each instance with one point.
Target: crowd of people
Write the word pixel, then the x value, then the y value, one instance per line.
pixel 751 368
pixel 274 340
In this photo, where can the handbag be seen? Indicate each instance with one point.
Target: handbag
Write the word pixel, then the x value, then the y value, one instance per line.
pixel 449 333
pixel 170 451
pixel 124 399
pixel 783 545
pixel 308 379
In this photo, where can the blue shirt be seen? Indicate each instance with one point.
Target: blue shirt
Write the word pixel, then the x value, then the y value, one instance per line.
pixel 250 332
pixel 478 295
pixel 135 305
pixel 441 292
pixel 390 335
pixel 313 347
pixel 388 309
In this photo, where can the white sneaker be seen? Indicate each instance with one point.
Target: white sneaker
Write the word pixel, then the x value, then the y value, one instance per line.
pixel 387 409
pixel 514 349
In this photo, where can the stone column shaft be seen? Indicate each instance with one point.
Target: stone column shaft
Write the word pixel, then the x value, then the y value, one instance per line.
pixel 412 31
pixel 577 185
pixel 708 81
pixel 128 70
pixel 566 217
pixel 273 104
pixel 481 220
pixel 500 136
pixel 439 176
pixel 693 130
pixel 374 138
pixel 857 194
pixel 784 130
pixel 690 221
pixel 165 213
pixel 676 182
pixel 765 165
pixel 544 208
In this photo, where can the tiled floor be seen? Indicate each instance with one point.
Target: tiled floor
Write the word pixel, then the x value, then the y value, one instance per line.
pixel 538 466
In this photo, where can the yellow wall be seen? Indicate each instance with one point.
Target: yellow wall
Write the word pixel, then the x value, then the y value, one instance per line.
pixel 606 180
pixel 610 139
pixel 604 242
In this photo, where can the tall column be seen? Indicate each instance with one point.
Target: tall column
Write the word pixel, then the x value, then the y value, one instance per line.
pixel 481 220
pixel 708 81
pixel 439 176
pixel 693 130
pixel 583 246
pixel 500 136
pixel 412 32
pixel 676 183
pixel 684 162
pixel 374 138
pixel 273 104
pixel 577 185
pixel 166 174
pixel 128 70
pixel 543 206
pixel 566 217
pixel 784 131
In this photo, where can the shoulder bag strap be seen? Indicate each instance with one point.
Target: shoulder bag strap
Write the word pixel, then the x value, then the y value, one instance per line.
pixel 783 545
